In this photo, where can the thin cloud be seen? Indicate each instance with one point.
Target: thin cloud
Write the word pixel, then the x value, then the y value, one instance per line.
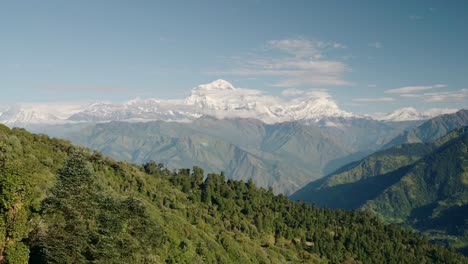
pixel 294 62
pixel 415 17
pixel 97 89
pixel 410 95
pixel 376 45
pixel 412 89
pixel 372 100
pixel 454 96
pixel 302 47
pixel 292 92
pixel 448 96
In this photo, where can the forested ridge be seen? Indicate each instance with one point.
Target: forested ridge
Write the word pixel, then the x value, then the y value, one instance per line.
pixel 422 185
pixel 61 203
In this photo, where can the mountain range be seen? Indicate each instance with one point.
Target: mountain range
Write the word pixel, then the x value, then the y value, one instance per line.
pixel 279 143
pixel 432 129
pixel 284 156
pixel 405 167
pixel 218 98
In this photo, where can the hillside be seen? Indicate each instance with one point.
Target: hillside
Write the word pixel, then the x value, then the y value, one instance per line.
pixel 61 203
pixel 432 129
pixel 417 184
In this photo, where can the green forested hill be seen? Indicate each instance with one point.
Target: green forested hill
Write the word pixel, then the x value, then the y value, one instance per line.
pixel 422 185
pixel 432 129
pixel 63 204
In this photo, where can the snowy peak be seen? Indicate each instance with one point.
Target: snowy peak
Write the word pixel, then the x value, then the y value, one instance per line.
pixel 221 95
pixel 26 114
pixel 219 99
pixel 411 114
pixel 216 85
pixel 316 108
pixel 404 114
pixel 18 116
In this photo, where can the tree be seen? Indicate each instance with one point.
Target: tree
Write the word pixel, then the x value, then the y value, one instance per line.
pixel 87 225
pixel 69 209
pixel 15 196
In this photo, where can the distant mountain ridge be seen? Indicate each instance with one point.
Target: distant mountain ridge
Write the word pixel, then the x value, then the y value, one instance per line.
pixel 284 156
pixel 411 114
pixel 432 129
pixel 218 98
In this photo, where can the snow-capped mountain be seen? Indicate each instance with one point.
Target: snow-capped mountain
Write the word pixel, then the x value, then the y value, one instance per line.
pixel 316 108
pixel 136 110
pixel 219 99
pixel 27 114
pixel 411 114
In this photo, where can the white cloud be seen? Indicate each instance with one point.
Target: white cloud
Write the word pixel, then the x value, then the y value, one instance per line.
pixel 448 96
pixel 371 85
pixel 303 48
pixel 297 47
pixel 292 92
pixel 311 93
pixel 305 79
pixel 410 95
pixel 294 62
pixel 453 96
pixel 371 100
pixel 339 46
pixel 415 17
pixel 376 45
pixel 77 88
pixel 412 89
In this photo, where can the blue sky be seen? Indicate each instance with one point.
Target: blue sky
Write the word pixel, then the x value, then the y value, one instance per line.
pixel 371 56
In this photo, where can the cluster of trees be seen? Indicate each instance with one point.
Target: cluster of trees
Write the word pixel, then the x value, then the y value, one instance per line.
pixel 84 224
pixel 54 209
pixel 334 234
pixel 63 204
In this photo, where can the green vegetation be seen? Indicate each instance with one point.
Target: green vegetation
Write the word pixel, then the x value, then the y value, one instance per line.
pixel 432 129
pixel 63 204
pixel 421 185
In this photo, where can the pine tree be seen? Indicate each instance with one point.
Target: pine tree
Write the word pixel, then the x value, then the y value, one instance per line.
pixel 70 209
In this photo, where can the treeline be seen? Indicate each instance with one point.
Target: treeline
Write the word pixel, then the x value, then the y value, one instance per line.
pixel 64 204
pixel 337 235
